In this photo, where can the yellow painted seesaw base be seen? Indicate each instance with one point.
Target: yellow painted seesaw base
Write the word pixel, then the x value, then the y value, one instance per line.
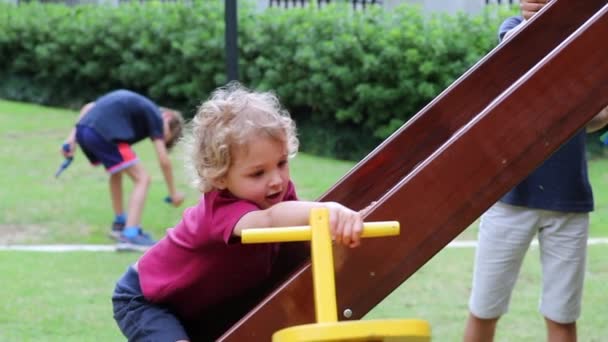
pixel 327 327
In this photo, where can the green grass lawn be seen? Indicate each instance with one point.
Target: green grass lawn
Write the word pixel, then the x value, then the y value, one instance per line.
pixel 66 296
pixel 439 293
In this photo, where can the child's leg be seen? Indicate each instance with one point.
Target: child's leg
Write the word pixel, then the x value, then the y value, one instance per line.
pixel 120 218
pixel 560 332
pixel 141 183
pixel 140 320
pixel 563 246
pixel 479 329
pixel 116 193
pixel 97 151
pixel 133 237
pixel 119 158
pixel 505 234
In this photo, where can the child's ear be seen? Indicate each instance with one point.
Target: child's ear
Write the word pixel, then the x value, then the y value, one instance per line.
pixel 219 183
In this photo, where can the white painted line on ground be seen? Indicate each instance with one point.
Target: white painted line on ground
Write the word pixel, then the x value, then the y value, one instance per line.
pixel 112 248
pixel 598 241
pixel 462 244
pixel 59 248
pixel 473 243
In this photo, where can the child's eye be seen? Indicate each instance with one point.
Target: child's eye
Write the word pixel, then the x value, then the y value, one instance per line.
pixel 282 163
pixel 257 174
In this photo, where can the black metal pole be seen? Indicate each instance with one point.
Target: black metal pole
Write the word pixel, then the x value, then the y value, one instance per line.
pixel 232 51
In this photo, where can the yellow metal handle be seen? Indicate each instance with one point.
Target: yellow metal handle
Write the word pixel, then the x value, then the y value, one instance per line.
pixel 303 233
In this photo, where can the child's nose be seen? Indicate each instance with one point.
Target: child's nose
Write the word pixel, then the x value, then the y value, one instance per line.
pixel 275 179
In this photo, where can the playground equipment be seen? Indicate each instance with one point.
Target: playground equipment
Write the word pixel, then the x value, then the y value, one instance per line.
pixel 456 157
pixel 327 327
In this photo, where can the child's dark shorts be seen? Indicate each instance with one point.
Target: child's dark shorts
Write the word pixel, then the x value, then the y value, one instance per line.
pixel 140 320
pixel 113 156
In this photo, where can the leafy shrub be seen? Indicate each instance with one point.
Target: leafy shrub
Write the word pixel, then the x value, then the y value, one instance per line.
pixel 350 78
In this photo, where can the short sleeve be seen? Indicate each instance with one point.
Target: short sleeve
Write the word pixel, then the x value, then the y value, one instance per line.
pixel 225 215
pixel 508 25
pixel 214 218
pixel 226 211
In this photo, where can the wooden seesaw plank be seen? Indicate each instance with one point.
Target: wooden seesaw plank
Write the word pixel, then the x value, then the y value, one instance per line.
pixel 460 180
pixel 485 159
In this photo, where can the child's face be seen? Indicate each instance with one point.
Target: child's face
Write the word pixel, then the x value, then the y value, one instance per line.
pixel 259 172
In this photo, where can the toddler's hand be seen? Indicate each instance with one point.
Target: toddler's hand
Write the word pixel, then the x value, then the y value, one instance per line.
pixel 346 225
pixel 67 149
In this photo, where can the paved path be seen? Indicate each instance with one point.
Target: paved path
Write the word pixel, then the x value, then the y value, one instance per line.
pixel 112 248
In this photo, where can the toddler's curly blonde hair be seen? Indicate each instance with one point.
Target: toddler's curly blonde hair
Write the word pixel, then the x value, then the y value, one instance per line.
pixel 232 115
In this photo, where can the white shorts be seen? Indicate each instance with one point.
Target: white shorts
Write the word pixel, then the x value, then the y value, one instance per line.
pixel 505 234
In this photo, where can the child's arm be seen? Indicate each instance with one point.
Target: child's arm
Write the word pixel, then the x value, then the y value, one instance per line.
pixel 70 141
pixel 165 165
pixel 531 7
pixel 599 121
pixel 346 224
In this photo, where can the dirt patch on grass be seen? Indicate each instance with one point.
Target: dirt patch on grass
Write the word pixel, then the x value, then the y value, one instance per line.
pixel 11 234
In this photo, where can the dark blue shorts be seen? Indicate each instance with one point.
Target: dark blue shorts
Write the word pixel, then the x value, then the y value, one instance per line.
pixel 140 320
pixel 114 156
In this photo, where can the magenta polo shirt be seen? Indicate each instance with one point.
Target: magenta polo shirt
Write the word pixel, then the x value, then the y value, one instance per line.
pixel 199 264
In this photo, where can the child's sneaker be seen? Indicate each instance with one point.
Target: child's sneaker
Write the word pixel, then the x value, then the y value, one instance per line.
pixel 139 243
pixel 116 231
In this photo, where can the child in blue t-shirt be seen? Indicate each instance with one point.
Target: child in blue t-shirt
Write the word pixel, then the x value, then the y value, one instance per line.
pixel 552 203
pixel 105 131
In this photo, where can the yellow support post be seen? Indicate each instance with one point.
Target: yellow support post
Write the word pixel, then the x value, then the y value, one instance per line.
pixel 328 328
pixel 323 267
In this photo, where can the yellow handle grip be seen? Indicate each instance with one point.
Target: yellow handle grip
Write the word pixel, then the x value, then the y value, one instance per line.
pixel 302 233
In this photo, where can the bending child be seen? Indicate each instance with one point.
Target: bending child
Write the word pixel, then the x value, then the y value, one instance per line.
pixel 105 131
pixel 197 281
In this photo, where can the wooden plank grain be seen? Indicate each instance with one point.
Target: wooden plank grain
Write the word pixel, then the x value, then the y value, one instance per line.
pixel 440 197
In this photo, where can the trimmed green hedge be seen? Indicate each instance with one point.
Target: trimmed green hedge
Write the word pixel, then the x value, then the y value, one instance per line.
pixel 349 78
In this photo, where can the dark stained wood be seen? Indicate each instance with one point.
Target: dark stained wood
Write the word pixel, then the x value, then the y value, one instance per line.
pixel 506 142
pixel 472 161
